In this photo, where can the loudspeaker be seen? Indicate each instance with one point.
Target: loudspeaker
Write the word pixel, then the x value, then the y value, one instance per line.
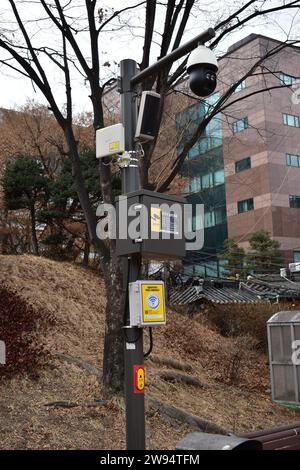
pixel 147 124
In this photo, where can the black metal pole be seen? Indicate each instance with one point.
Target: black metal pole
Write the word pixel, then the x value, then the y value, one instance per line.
pixel 133 336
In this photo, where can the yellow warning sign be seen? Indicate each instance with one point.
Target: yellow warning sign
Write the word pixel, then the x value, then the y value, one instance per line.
pixel 155 219
pixel 153 305
pixel 114 146
pixel 140 382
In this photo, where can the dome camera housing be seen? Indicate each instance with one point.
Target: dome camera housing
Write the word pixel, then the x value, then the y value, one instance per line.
pixel 202 67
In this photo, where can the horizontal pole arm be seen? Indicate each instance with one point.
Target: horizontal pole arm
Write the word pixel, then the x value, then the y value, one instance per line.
pixel 174 55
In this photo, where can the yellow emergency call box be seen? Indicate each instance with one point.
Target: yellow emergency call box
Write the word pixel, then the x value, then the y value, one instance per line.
pixel 147 305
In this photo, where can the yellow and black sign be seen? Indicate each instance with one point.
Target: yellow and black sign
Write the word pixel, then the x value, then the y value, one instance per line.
pixel 139 379
pixel 114 146
pixel 147 306
pixel 155 219
pixel 153 303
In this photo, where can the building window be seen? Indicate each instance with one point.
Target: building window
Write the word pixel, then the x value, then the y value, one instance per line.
pixel 215 217
pixel 240 87
pixel 287 80
pixel 197 222
pixel 219 177
pixel 194 151
pixel 295 202
pixel 290 120
pixel 195 185
pixel 207 181
pixel 296 256
pixel 209 219
pixel 112 109
pixel 293 160
pixel 240 125
pixel 245 206
pixel 220 215
pixel 242 165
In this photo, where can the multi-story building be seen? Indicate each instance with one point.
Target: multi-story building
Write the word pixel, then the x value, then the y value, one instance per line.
pixel 246 168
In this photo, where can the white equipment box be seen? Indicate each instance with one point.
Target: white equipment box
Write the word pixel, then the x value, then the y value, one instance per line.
pixel 147 304
pixel 110 141
pixel 294 267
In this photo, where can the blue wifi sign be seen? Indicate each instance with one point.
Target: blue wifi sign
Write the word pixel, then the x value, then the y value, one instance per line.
pixel 153 301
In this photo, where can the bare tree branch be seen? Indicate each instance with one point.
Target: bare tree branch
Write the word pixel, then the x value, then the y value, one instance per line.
pixel 118 13
pixel 149 29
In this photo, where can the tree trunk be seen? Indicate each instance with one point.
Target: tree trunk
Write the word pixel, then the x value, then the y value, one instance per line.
pixel 111 266
pixel 113 358
pixel 86 252
pixel 34 240
pixel 4 234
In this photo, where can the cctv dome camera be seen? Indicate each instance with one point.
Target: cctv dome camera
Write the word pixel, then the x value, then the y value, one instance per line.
pixel 202 67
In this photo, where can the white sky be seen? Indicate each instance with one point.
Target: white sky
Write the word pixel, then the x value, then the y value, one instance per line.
pixel 121 44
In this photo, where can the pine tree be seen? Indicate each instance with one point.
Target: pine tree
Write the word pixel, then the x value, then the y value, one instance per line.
pixel 24 184
pixel 264 255
pixel 235 257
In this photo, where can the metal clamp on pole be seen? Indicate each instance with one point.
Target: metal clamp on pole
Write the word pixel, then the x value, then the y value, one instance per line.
pixel 128 159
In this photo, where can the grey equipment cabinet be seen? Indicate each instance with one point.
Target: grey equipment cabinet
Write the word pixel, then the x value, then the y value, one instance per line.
pixel 161 218
pixel 284 356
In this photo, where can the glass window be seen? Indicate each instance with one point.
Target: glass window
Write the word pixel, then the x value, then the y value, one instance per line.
pixel 207 181
pixel 112 109
pixel 220 215
pixel 209 219
pixel 194 151
pixel 196 184
pixel 223 268
pixel 287 80
pixel 290 120
pixel 203 144
pixel 245 206
pixel 240 125
pixel 296 256
pixel 240 87
pixel 242 165
pixel 214 217
pixel 200 270
pixel 211 268
pixel 293 160
pixel 188 120
pixel 212 100
pixel 192 113
pixel 295 202
pixel 219 177
pixel 197 223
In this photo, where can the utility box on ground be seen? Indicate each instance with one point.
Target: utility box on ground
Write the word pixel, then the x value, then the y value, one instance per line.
pixel 151 224
pixel 284 353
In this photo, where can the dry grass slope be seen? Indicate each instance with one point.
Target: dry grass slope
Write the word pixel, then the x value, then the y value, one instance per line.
pixel 76 298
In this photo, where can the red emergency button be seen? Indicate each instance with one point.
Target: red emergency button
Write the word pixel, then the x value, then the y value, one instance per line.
pixel 139 379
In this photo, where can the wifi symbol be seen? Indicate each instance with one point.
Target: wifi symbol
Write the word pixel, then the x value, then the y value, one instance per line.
pixel 153 301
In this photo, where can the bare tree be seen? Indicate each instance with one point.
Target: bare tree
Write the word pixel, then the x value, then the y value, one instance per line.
pixel 27 53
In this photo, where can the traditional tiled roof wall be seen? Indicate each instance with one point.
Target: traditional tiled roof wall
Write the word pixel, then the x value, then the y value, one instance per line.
pixel 250 291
